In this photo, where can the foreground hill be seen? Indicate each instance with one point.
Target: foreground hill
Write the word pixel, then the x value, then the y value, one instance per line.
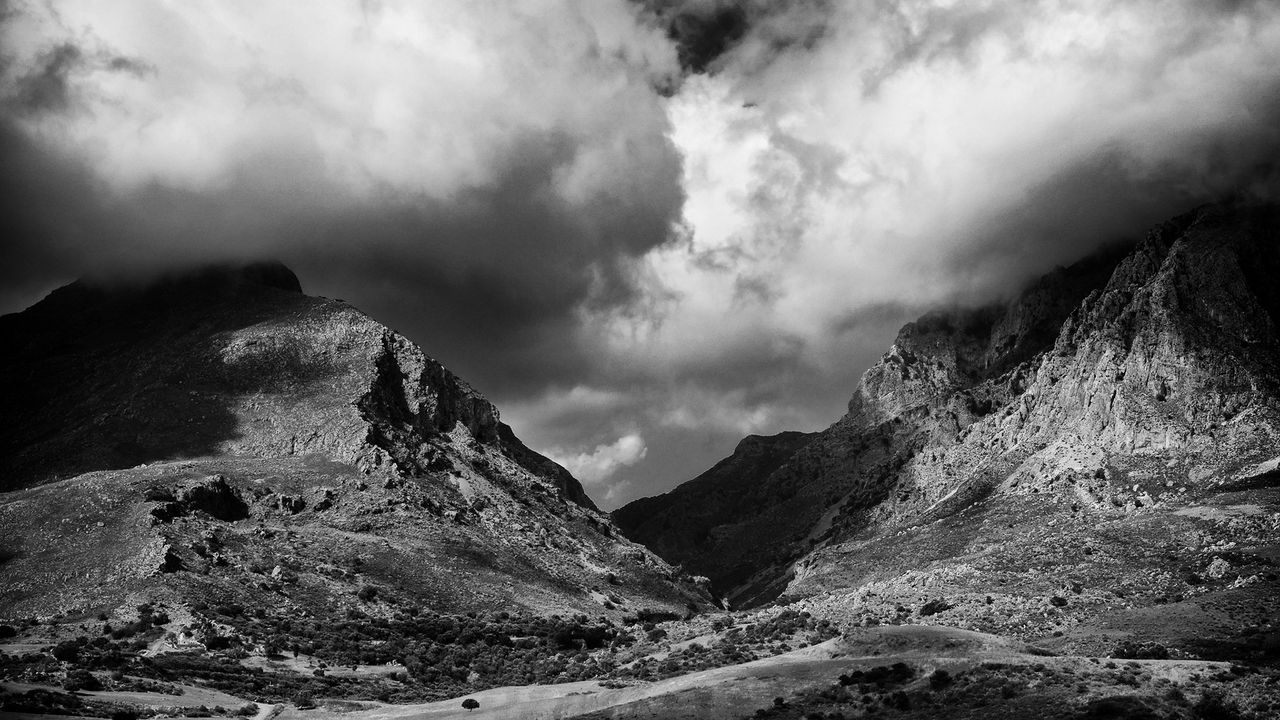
pixel 1065 506
pixel 1126 381
pixel 221 438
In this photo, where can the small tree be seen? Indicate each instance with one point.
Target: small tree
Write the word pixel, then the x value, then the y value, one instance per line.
pixel 470 704
pixel 81 679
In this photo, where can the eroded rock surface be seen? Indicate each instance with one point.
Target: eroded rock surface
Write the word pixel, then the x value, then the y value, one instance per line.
pixel 1118 382
pixel 292 430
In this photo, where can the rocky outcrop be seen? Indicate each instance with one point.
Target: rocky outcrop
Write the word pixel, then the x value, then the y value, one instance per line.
pixel 229 360
pixel 1176 358
pixel 681 526
pixel 227 403
pixel 934 381
pixel 1157 362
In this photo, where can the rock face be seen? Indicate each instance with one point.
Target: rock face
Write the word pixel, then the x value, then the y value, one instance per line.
pixel 203 403
pixel 682 525
pixel 227 360
pixel 1160 363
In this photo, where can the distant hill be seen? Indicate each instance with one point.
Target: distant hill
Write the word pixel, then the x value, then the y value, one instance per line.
pixel 1136 377
pixel 219 437
pixel 225 498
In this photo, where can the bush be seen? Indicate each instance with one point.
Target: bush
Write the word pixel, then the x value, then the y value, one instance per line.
pixel 230 610
pixel 67 650
pixel 933 607
pixel 81 680
pixel 1123 707
pixel 1213 706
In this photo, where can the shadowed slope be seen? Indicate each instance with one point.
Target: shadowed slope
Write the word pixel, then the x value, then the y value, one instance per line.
pixel 331 432
pixel 1167 351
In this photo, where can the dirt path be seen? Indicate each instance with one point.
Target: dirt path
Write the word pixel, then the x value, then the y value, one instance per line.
pixel 737 690
pixel 538 702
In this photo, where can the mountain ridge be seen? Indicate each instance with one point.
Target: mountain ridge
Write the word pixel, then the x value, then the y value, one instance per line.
pixel 965 400
pixel 162 404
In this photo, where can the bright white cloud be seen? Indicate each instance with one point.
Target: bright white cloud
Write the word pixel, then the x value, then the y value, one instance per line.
pixel 541 414
pixel 477 134
pixel 500 179
pixel 598 465
pixel 420 98
pixel 895 162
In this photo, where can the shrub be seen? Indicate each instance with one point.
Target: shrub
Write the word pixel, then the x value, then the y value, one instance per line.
pixel 67 650
pixel 1118 707
pixel 933 607
pixel 1213 706
pixel 81 680
pixel 230 610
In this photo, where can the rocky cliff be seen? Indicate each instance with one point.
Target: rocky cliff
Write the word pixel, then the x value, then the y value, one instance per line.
pixel 1156 363
pixel 686 525
pixel 172 437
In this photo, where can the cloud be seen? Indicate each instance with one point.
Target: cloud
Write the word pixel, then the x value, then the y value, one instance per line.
pixel 845 158
pixel 598 465
pixel 849 165
pixel 453 165
pixel 675 220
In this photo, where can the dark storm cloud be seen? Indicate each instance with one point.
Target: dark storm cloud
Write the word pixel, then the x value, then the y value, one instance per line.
pixel 850 165
pixel 488 280
pixel 638 280
pixel 44 89
pixel 491 185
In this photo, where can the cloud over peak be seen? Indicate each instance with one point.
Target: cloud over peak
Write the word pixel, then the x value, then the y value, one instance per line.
pixel 667 222
pixel 488 144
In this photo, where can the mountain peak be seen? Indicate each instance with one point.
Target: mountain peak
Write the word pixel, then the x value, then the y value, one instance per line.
pixel 267 273
pixel 226 386
pixel 1166 352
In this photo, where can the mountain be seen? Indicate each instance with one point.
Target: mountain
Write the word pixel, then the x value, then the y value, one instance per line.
pixel 680 525
pixel 220 492
pixel 1139 378
pixel 219 438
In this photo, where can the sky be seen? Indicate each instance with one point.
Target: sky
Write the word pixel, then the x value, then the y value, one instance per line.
pixel 643 229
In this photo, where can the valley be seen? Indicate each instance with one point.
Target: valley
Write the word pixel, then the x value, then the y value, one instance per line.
pixel 225 498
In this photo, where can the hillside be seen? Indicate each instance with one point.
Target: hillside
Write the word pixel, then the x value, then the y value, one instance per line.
pixel 220 437
pixel 679 527
pixel 1131 378
pixel 230 499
